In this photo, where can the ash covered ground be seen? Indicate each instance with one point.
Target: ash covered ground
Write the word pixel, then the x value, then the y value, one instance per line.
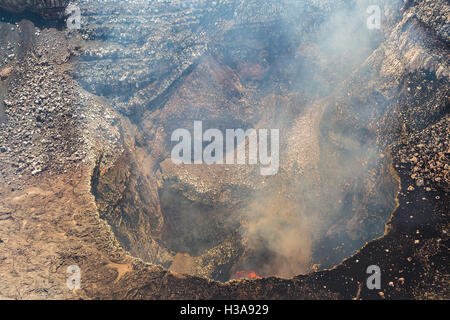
pixel 86 178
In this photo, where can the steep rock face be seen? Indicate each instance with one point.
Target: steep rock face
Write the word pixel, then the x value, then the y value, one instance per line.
pixel 138 50
pixel 393 94
pixel 126 199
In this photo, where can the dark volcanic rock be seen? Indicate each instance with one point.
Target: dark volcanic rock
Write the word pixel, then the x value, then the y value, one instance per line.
pixel 52 9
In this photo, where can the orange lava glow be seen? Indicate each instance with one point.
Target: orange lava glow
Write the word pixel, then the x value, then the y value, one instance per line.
pixel 246 275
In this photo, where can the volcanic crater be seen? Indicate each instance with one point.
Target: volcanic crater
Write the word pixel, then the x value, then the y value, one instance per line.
pixel 334 191
pixel 87 179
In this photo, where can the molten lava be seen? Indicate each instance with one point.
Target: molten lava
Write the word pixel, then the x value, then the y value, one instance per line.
pixel 245 275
